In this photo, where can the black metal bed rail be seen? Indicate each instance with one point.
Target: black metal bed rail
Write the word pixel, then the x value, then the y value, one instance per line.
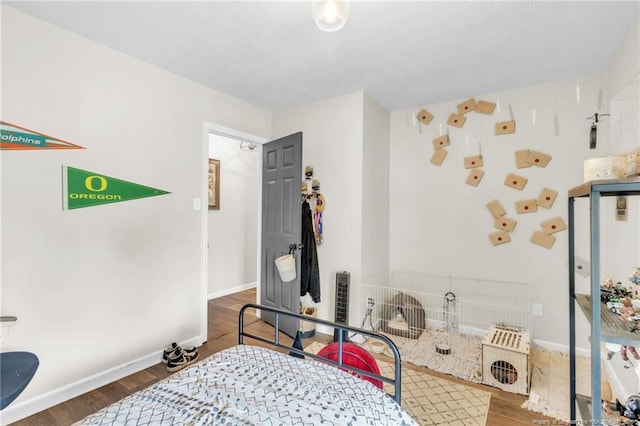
pixel 275 341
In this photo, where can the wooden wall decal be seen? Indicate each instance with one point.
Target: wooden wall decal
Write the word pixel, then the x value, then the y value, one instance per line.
pixel 546 198
pixel 515 181
pixel 424 116
pixel 484 107
pixel 473 161
pixel 539 159
pixel 526 206
pixel 505 223
pixel 522 158
pixel 499 237
pixel 505 127
pixel 466 106
pixel 456 120
pixel 475 176
pixel 441 142
pixel 542 239
pixel 554 225
pixel 438 157
pixel 496 209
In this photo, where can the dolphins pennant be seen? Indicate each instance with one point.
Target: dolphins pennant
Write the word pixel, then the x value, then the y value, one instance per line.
pixel 13 137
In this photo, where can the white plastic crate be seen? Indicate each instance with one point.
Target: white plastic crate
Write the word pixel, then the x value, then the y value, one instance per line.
pixel 506 360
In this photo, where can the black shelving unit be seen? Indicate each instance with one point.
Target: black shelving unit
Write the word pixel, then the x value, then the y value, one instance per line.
pixel 605 326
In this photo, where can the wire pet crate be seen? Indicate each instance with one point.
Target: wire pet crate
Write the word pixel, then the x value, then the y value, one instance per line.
pixel 450 304
pixel 506 359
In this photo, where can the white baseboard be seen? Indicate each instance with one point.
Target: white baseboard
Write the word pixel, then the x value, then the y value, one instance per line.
pixel 231 290
pixel 19 410
pixel 617 388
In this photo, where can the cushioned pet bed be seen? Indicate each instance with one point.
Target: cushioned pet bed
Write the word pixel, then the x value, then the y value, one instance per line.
pixel 252 385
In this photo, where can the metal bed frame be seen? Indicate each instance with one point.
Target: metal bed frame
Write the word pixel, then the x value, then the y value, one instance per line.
pixel 342 328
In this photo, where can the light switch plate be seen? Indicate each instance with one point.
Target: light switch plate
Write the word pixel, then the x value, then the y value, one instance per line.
pixel 583 267
pixel 537 310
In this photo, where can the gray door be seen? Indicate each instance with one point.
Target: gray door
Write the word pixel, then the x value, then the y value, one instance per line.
pixel 281 225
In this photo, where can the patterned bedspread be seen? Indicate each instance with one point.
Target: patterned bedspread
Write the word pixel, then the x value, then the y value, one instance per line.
pixel 251 385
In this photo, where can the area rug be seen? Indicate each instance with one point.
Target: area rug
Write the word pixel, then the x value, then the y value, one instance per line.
pixel 549 389
pixel 464 361
pixel 549 394
pixel 434 401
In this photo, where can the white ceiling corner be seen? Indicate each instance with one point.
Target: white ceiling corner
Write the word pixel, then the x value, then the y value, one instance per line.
pixel 401 53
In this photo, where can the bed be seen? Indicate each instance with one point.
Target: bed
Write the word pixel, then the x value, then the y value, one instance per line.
pixel 262 381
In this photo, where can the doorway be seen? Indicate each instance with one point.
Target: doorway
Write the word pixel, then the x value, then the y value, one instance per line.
pixel 237 157
pixel 233 220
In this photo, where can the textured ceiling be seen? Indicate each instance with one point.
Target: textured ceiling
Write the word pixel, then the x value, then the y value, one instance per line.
pixel 403 54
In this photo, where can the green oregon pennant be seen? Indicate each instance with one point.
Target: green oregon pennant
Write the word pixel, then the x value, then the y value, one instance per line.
pixel 81 188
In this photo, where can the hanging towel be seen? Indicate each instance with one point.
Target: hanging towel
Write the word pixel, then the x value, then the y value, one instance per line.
pixel 310 280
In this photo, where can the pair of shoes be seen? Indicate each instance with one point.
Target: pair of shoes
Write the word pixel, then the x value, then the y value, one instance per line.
pixel 179 359
pixel 173 347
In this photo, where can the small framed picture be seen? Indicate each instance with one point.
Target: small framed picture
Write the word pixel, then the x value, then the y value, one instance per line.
pixel 214 184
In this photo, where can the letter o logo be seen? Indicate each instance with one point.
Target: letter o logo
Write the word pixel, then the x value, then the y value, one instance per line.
pixel 91 181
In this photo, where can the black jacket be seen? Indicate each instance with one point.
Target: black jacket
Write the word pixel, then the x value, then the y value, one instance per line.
pixel 310 280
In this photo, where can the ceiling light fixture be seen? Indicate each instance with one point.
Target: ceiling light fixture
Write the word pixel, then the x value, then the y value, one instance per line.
pixel 247 146
pixel 330 15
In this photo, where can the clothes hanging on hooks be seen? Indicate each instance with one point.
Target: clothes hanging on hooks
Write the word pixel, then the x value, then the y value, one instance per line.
pixel 310 273
pixel 318 208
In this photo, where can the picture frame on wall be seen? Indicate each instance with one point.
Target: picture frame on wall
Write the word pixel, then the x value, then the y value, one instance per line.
pixel 214 184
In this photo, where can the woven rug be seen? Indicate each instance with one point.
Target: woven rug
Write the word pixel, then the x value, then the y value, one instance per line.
pixel 434 401
pixel 549 389
pixel 549 394
pixel 464 361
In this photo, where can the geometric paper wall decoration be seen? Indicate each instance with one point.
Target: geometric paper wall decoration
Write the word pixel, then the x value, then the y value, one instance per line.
pixel 546 198
pixel 505 127
pixel 499 237
pixel 505 223
pixel 554 225
pixel 522 158
pixel 538 159
pixel 515 181
pixel 496 209
pixel 456 120
pixel 542 239
pixel 474 177
pixel 441 142
pixel 424 116
pixel 466 106
pixel 526 206
pixel 473 162
pixel 484 107
pixel 438 157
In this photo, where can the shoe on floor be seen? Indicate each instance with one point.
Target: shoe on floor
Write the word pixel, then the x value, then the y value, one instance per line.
pixel 179 359
pixel 174 347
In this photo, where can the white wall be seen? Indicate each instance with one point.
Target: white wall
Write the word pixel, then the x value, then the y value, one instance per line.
pixel 626 62
pixel 375 190
pixel 439 224
pixel 100 291
pixel 233 228
pixel 333 145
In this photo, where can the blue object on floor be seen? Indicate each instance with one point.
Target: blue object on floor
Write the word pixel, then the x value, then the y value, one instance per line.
pixel 16 371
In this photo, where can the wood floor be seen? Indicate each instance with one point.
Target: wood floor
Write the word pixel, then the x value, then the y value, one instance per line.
pixel 223 324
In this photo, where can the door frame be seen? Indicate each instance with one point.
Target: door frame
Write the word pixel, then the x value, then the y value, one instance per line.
pixel 202 204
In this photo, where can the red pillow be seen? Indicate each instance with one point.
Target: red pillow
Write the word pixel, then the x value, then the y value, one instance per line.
pixel 353 356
